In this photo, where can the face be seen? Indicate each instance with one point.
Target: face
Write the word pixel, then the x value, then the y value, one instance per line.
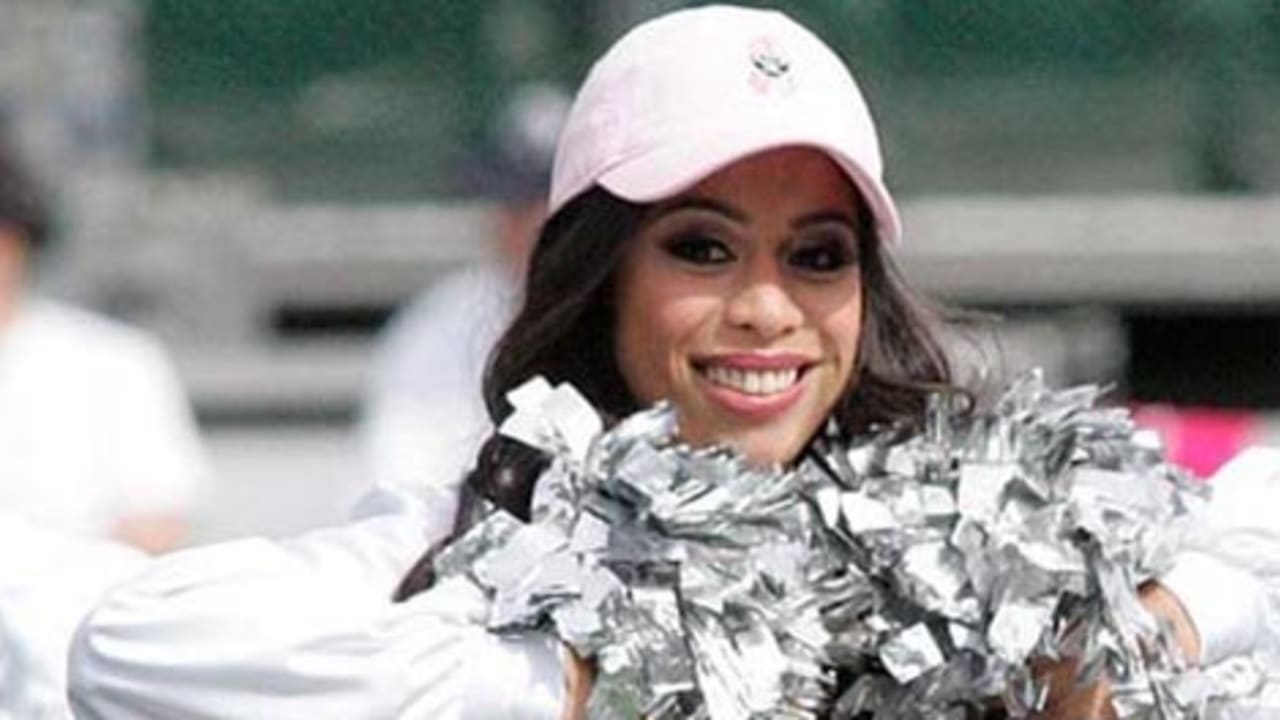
pixel 740 301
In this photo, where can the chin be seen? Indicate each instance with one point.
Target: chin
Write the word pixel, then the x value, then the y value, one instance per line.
pixel 767 450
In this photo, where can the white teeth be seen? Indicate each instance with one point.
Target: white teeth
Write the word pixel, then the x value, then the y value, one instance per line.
pixel 752 382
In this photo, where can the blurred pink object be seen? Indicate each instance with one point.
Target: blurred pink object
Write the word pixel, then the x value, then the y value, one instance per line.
pixel 1198 438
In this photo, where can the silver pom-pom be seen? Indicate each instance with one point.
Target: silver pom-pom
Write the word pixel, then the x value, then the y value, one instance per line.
pixel 884 577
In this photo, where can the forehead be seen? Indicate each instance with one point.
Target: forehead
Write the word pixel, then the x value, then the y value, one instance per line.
pixel 782 178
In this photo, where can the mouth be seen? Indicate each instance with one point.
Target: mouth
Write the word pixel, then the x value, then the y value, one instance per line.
pixel 758 383
pixel 754 386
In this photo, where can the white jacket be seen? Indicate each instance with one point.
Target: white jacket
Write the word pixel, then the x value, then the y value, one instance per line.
pixel 48 582
pixel 304 628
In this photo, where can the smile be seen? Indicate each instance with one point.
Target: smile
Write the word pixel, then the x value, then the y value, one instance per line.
pixel 753 386
pixel 752 382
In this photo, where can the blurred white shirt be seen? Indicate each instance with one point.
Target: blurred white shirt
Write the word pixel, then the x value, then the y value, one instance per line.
pixel 94 424
pixel 424 418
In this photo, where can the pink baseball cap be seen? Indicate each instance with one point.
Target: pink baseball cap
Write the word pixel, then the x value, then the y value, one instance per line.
pixel 691 92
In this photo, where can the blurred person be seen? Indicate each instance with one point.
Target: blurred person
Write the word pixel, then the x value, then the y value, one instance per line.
pixel 725 250
pixel 100 462
pixel 422 417
pixel 97 439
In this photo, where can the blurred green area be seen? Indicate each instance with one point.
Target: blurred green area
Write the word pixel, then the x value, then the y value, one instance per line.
pixel 382 99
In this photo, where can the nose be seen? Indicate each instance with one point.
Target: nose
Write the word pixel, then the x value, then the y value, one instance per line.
pixel 763 305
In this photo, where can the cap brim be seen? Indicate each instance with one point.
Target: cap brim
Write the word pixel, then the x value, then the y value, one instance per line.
pixel 674 167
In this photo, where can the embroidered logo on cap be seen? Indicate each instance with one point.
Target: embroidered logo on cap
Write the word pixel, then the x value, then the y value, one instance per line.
pixel 770 67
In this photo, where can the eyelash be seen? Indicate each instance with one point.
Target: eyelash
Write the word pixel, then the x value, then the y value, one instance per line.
pixel 819 258
pixel 697 249
pixel 823 257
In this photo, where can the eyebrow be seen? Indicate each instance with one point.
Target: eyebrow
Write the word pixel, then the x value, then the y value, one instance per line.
pixel 705 204
pixel 715 206
pixel 825 216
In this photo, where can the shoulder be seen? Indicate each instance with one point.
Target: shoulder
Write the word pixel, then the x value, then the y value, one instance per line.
pixel 57 325
pixel 72 352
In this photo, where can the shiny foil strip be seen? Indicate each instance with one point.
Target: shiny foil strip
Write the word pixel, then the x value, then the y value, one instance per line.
pixel 897 575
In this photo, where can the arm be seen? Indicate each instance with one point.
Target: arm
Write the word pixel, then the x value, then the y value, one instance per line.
pixel 1222 597
pixel 304 629
pixel 48 582
pixel 579 676
pixel 1229 579
pixel 153 534
pixel 1067 702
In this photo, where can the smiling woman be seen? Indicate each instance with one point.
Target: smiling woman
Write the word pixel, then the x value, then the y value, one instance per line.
pixel 719 237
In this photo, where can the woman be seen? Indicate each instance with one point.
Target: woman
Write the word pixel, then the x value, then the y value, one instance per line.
pixel 718 237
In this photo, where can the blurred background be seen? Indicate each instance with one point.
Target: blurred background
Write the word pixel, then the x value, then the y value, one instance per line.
pixel 261 183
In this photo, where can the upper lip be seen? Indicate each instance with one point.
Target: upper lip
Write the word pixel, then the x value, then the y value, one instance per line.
pixel 756 360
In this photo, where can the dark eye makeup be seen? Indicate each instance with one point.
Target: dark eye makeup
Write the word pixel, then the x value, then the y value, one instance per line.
pixel 819 249
pixel 823 251
pixel 698 248
pixel 824 257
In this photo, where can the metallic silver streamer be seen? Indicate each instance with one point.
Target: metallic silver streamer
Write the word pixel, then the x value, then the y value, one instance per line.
pixel 889 576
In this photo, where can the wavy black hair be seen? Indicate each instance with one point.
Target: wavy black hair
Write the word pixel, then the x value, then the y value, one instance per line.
pixel 564 332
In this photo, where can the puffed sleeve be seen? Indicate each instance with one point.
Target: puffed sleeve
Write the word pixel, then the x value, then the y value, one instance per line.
pixel 1229 579
pixel 304 629
pixel 48 581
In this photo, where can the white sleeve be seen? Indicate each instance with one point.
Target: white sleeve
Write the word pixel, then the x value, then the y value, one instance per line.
pixel 48 582
pixel 1229 580
pixel 304 629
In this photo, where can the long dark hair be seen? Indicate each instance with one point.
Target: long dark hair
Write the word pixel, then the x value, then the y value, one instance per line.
pixel 564 332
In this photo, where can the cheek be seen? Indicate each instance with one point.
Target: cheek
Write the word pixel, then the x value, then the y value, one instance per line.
pixel 658 323
pixel 635 354
pixel 843 327
pixel 640 340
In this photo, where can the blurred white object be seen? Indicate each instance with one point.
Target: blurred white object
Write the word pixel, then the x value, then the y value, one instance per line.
pixel 48 582
pixel 1236 604
pixel 424 418
pixel 94 426
pixel 305 628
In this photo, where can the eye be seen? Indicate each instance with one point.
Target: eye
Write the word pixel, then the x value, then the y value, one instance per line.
pixel 698 249
pixel 825 256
